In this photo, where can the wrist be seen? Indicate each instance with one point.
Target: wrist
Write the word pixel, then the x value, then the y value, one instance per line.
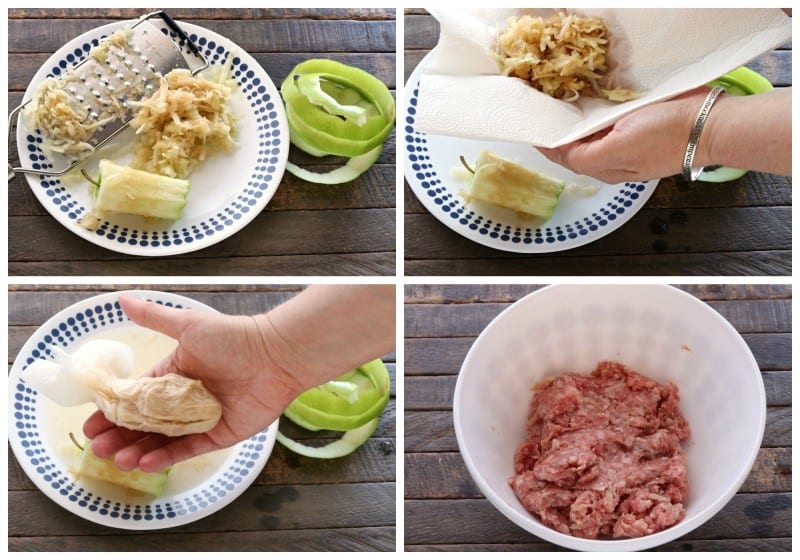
pixel 326 331
pixel 706 155
pixel 278 359
pixel 698 154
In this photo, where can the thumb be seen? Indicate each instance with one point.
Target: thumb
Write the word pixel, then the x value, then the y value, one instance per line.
pixel 553 154
pixel 166 320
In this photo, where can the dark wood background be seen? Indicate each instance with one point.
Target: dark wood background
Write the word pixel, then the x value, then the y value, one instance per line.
pixel 737 228
pixel 306 229
pixel 445 511
pixel 296 503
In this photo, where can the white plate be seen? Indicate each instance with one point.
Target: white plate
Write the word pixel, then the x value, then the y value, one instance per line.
pixel 43 462
pixel 227 191
pixel 577 220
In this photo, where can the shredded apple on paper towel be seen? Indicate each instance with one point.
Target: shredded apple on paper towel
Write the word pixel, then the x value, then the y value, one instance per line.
pixel 563 55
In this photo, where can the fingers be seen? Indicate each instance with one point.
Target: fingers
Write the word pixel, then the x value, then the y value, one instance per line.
pixel 175 451
pixel 576 156
pixel 156 452
pixel 593 156
pixel 96 424
pixel 150 452
pixel 107 438
pixel 128 458
pixel 553 154
pixel 166 320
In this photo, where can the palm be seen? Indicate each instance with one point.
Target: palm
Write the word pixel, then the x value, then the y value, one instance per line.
pixel 213 352
pixel 226 353
pixel 648 143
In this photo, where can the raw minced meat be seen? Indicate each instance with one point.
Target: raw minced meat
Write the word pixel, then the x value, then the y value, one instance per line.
pixel 603 455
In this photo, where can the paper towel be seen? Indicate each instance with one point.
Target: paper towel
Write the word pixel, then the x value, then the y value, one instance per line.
pixel 658 52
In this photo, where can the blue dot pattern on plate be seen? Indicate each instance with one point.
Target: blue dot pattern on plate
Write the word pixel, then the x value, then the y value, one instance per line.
pixel 453 207
pixel 26 425
pixel 258 184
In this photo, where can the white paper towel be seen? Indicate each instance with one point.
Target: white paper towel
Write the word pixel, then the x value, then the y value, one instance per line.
pixel 659 52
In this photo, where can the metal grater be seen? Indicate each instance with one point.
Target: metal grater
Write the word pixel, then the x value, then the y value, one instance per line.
pixel 113 74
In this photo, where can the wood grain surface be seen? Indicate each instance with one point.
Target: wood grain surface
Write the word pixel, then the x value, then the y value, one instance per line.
pixel 305 229
pixel 445 511
pixel 738 228
pixel 295 503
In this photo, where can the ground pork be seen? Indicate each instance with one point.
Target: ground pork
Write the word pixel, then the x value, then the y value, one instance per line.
pixel 603 456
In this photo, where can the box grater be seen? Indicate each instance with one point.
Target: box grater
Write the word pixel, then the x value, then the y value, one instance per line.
pixel 120 69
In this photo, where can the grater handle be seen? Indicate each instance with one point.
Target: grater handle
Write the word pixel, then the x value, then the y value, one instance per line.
pixel 179 32
pixel 173 25
pixel 11 169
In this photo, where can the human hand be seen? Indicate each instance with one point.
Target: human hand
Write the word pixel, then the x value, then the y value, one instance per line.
pixel 231 356
pixel 649 143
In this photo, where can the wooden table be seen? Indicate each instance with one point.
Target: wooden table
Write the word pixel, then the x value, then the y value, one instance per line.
pixel 445 511
pixel 296 503
pixel 306 229
pixel 737 228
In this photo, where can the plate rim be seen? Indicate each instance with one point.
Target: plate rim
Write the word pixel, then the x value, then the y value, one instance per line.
pixel 34 181
pixel 497 244
pixel 106 520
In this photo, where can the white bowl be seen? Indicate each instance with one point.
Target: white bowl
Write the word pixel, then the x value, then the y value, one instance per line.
pixel 658 331
pixel 37 449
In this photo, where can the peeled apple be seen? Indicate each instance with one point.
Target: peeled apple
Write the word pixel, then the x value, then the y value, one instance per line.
pixel 90 465
pixel 340 110
pixel 499 181
pixel 124 190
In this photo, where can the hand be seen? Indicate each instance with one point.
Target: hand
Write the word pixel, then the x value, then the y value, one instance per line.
pixel 231 356
pixel 255 366
pixel 648 143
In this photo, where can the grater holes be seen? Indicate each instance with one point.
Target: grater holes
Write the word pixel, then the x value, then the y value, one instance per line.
pixel 106 82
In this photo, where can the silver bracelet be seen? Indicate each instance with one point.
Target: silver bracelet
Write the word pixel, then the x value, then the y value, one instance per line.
pixel 688 173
